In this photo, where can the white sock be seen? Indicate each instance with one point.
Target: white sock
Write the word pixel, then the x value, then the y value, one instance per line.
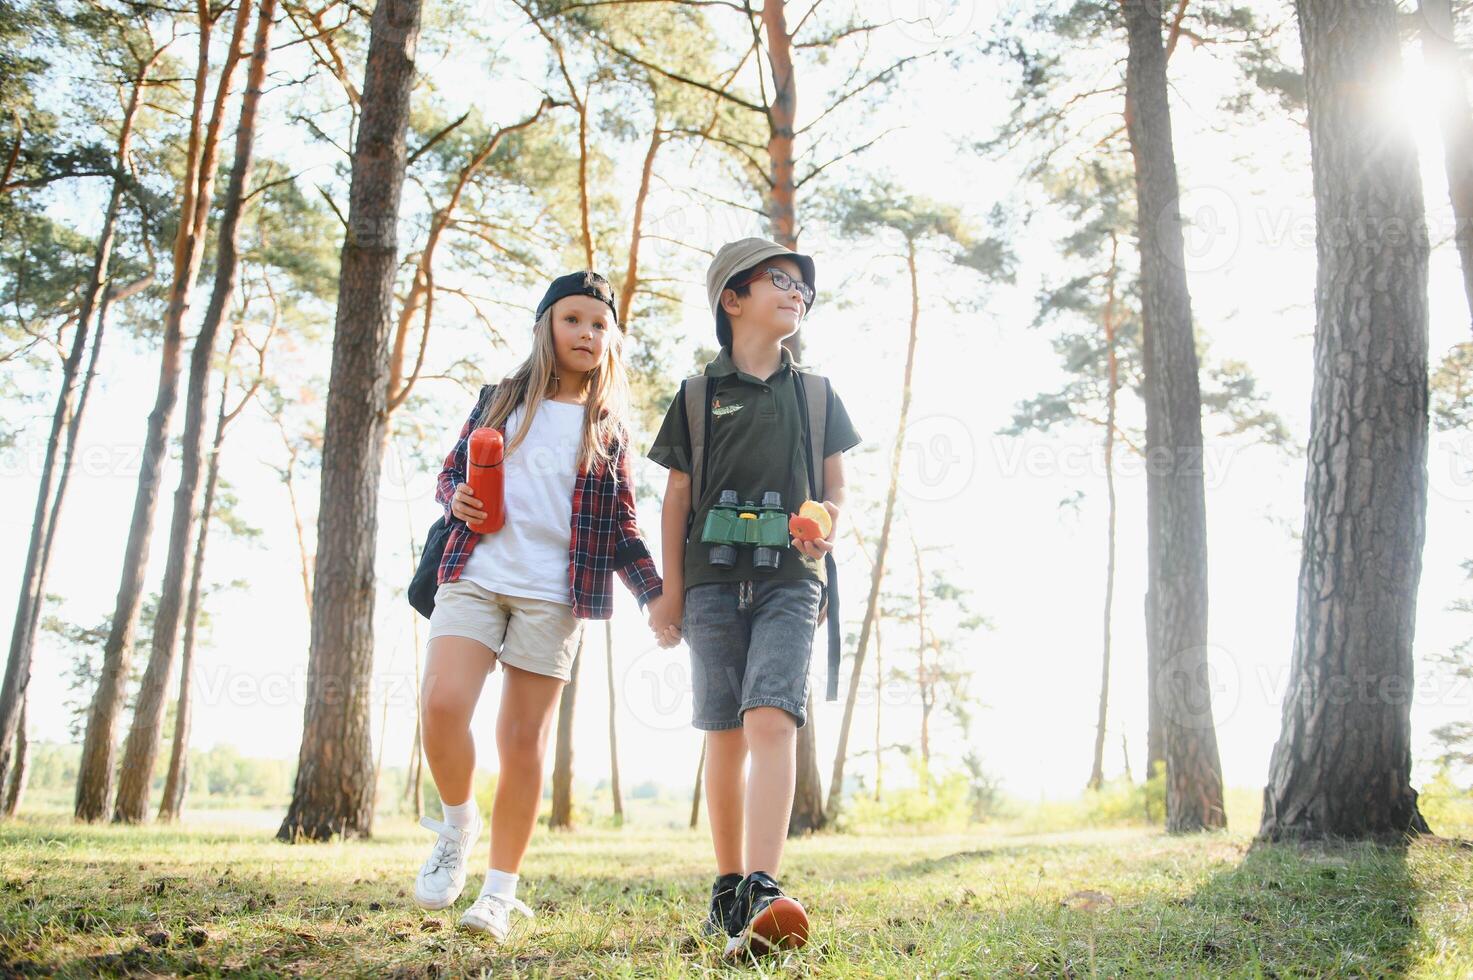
pixel 500 883
pixel 461 814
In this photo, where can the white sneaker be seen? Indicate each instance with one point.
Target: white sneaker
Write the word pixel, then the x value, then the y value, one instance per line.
pixel 491 914
pixel 442 877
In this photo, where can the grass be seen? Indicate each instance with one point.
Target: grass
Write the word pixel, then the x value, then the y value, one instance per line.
pixel 213 899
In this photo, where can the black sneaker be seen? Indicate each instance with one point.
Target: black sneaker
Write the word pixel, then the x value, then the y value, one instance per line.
pixel 723 897
pixel 763 919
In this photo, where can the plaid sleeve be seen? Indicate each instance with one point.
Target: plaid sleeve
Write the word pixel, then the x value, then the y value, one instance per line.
pixel 631 556
pixel 453 470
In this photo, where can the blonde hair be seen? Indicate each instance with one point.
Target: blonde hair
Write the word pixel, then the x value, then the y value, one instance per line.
pixel 606 389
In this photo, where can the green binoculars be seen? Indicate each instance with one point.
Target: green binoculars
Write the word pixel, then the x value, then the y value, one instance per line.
pixel 733 523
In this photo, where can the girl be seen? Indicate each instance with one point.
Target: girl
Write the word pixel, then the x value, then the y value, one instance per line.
pixel 516 596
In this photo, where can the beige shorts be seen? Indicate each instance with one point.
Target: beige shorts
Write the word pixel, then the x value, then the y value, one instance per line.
pixel 532 634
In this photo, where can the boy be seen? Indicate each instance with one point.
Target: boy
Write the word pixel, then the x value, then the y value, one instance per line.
pixel 750 625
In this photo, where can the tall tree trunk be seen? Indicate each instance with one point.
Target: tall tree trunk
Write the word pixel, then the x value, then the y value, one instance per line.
pixel 613 725
pixel 52 488
pixel 1342 764
pixel 561 817
pixel 879 702
pixel 15 781
pixel 1097 771
pixel 782 111
pixel 923 679
pixel 176 783
pixel 1176 503
pixel 695 795
pixel 95 770
pixel 333 792
pixel 877 567
pixel 782 217
pixel 141 747
pixel 1440 48
pixel 631 271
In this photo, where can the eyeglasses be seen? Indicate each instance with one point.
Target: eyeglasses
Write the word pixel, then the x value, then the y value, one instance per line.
pixel 783 282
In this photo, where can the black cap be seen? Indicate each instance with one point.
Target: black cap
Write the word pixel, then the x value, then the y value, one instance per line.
pixel 579 284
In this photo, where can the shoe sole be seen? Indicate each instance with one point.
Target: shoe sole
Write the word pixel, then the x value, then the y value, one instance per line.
pixel 782 925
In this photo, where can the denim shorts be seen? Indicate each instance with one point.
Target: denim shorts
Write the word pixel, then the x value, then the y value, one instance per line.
pixel 750 643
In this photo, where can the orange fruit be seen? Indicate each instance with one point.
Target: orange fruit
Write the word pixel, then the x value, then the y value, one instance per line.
pixel 811 522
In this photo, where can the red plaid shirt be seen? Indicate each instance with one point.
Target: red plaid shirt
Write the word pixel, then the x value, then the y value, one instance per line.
pixel 605 538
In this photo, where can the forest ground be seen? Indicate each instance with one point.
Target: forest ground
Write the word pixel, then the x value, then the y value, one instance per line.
pixel 215 898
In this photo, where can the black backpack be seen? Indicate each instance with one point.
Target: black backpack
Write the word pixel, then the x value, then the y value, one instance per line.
pixel 426 580
pixel 812 393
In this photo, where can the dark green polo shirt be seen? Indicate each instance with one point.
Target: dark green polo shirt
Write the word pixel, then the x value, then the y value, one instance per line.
pixel 756 445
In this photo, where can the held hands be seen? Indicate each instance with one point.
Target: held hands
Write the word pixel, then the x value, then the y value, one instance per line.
pixel 464 506
pixel 665 614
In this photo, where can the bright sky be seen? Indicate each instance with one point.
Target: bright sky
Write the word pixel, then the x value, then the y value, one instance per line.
pixel 1034 569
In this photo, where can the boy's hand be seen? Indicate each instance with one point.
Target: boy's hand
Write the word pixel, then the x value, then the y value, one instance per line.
pixel 665 614
pixel 819 547
pixel 465 506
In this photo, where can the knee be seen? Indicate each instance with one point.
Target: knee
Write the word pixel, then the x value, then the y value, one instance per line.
pixel 443 710
pixel 520 741
pixel 766 725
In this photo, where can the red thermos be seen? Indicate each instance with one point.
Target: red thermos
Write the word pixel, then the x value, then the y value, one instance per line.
pixel 484 476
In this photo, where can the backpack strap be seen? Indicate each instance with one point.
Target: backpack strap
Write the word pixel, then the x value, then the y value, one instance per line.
pixel 813 400
pixel 813 397
pixel 695 403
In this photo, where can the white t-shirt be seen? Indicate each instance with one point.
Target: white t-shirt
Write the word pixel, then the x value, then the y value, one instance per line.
pixel 529 555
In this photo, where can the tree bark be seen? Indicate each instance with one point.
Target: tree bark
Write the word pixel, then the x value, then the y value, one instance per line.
pixel 695 796
pixel 176 783
pixel 135 779
pixel 333 794
pixel 613 725
pixel 807 815
pixel 631 272
pixel 1440 48
pixel 1112 382
pixel 1341 767
pixel 95 770
pixel 923 679
pixel 877 567
pixel 52 489
pixel 782 217
pixel 561 817
pixel 15 781
pixel 1176 500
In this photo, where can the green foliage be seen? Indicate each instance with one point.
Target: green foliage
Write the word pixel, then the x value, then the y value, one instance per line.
pixel 935 803
pixel 1445 804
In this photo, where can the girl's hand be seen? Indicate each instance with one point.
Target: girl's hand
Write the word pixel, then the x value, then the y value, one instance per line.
pixel 666 612
pixel 819 547
pixel 466 507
